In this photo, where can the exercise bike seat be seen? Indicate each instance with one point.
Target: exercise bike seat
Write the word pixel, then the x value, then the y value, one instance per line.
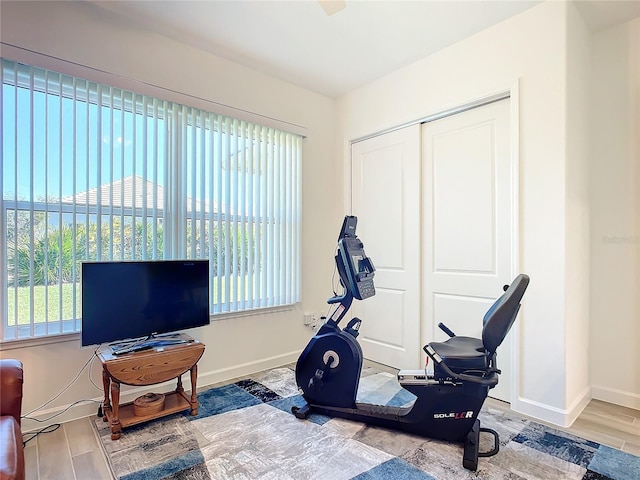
pixel 462 353
pixel 475 355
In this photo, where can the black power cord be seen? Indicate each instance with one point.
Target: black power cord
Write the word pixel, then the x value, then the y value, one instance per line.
pixel 48 429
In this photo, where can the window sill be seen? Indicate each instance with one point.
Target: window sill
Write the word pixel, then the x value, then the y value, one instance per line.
pixel 252 312
pixel 38 341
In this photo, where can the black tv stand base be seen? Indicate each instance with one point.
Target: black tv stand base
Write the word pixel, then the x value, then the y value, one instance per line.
pixel 153 341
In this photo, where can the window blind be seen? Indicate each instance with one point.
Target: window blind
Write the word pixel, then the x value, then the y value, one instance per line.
pixel 93 172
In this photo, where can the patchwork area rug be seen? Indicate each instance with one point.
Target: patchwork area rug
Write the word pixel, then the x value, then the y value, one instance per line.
pixel 245 430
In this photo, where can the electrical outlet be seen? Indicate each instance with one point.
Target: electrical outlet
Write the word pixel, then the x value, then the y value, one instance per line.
pixel 319 319
pixel 314 320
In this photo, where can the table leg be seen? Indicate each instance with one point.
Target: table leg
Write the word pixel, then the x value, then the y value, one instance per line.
pixel 194 396
pixel 106 381
pixel 116 427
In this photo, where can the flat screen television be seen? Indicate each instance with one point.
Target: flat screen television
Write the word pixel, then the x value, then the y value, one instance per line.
pixel 134 299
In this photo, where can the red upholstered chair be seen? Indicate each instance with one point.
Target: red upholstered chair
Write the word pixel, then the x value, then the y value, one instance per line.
pixel 11 451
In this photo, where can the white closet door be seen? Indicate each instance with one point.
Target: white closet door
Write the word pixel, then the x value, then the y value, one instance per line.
pixel 467 224
pixel 386 200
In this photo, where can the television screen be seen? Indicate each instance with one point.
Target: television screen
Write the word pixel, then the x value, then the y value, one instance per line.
pixel 126 300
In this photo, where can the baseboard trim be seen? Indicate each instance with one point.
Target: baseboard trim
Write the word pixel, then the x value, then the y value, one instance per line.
pixel 578 405
pixel 556 416
pixel 70 412
pixel 213 377
pixel 617 397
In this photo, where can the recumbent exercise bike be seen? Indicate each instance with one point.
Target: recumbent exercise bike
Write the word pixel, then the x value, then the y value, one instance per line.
pixel 447 403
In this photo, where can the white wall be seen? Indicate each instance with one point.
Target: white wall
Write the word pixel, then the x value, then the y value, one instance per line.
pixel 78 32
pixel 577 244
pixel 531 49
pixel 615 230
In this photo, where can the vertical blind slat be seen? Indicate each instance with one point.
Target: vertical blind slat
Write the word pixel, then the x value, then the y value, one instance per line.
pixel 88 168
pixel 203 210
pixel 268 217
pixel 193 180
pixel 110 140
pixel 31 213
pixel 226 168
pixel 272 188
pixel 233 234
pixel 282 169
pixel 152 138
pixel 218 171
pixel 46 195
pixel 144 219
pixel 154 216
pixel 261 238
pixel 61 157
pixel 240 233
pixel 134 172
pixel 122 169
pixel 99 174
pixel 182 185
pixel 212 209
pixel 15 217
pixel 74 229
pixel 250 213
pixel 289 221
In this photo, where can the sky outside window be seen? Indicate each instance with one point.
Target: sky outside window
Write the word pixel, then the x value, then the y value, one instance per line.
pixel 74 150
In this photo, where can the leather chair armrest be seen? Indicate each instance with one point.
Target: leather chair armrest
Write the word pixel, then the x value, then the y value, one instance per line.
pixel 11 381
pixel 11 451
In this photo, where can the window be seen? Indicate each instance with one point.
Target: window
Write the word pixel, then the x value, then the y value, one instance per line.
pixel 92 172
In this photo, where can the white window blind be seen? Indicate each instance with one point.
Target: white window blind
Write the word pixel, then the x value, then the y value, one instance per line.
pixel 92 172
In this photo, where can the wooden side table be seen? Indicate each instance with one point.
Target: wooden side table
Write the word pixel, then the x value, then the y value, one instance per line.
pixel 148 367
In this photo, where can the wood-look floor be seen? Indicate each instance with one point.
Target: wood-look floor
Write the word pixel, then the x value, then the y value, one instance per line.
pixel 73 452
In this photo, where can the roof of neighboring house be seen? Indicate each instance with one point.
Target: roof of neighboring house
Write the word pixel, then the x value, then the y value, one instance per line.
pixel 129 192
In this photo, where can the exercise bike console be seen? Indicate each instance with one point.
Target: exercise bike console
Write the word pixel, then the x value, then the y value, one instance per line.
pixel 447 403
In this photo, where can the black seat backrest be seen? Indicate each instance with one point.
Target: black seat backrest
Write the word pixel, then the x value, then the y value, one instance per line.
pixel 499 318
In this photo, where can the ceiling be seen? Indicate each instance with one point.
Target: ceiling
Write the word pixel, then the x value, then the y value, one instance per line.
pixel 330 54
